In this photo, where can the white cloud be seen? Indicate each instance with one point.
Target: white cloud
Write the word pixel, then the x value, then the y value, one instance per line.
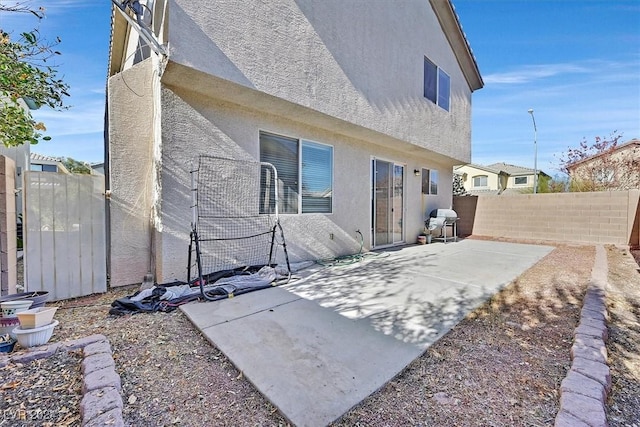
pixel 571 101
pixel 529 73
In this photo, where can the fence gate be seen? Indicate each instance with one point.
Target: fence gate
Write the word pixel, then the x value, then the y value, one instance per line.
pixel 64 234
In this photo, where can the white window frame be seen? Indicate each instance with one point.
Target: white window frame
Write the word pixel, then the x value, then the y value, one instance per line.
pixel 430 178
pixel 516 178
pixel 473 181
pixel 300 144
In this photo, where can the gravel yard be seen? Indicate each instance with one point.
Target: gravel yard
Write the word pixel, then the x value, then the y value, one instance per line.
pixel 502 365
pixel 623 346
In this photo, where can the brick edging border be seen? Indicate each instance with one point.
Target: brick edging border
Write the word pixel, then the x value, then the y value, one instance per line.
pixel 583 392
pixel 101 402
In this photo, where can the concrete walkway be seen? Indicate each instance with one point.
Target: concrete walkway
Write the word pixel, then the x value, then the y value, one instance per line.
pixel 319 345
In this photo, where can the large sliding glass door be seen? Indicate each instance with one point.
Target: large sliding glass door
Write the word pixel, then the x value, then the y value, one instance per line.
pixel 387 200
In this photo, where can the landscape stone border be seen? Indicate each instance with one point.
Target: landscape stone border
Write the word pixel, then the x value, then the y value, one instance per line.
pixel 101 402
pixel 583 393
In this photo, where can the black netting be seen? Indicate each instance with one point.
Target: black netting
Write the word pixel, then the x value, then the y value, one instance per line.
pixel 229 232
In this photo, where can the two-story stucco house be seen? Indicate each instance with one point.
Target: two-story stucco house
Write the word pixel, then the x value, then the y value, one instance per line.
pixel 497 178
pixel 617 168
pixel 376 93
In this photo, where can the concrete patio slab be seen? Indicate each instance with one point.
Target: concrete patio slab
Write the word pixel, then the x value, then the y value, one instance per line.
pixel 318 346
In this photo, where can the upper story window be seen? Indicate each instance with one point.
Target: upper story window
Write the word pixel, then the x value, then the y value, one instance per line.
pixel 520 180
pixel 429 181
pixel 437 84
pixel 305 175
pixel 480 181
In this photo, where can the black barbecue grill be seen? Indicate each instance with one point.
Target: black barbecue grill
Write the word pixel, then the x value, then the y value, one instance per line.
pixel 440 219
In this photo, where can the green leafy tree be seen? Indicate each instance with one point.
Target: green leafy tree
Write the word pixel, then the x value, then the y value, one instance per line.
pixel 26 74
pixel 75 166
pixel 546 184
pixel 458 186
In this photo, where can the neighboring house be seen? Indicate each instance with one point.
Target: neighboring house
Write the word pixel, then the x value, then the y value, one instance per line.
pixel 615 169
pixel 497 178
pixel 376 96
pixel 42 163
pixel 97 168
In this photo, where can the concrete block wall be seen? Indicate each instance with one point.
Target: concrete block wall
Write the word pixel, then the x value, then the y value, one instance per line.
pixel 598 217
pixel 8 227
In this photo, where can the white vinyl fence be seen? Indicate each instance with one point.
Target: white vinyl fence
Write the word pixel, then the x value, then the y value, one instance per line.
pixel 64 232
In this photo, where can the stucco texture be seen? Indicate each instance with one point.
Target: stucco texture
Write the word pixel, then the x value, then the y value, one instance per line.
pixel 131 173
pixel 346 74
pixel 222 129
pixel 359 61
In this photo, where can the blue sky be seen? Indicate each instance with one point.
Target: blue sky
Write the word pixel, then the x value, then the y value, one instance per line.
pixel 575 62
pixel 84 29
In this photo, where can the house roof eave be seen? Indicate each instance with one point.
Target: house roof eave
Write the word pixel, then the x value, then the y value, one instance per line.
pixel 117 42
pixel 609 151
pixel 483 168
pixel 450 23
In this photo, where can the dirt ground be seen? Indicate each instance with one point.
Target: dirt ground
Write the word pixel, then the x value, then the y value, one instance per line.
pixel 623 346
pixel 502 365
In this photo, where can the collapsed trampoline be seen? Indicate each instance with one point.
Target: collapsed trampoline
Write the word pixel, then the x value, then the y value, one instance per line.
pixel 236 243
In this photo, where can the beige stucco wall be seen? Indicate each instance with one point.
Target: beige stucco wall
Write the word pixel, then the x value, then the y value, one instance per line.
pixel 220 128
pixel 360 62
pixel 20 156
pixel 597 217
pixel 348 74
pixel 492 178
pixel 8 233
pixel 131 174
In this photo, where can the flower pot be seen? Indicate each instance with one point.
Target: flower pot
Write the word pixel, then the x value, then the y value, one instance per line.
pixel 7 346
pixel 38 298
pixel 10 309
pixel 36 317
pixel 36 336
pixel 8 325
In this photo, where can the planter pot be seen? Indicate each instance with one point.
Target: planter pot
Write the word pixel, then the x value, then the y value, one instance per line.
pixel 36 336
pixel 8 325
pixel 10 309
pixel 7 346
pixel 36 317
pixel 38 298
